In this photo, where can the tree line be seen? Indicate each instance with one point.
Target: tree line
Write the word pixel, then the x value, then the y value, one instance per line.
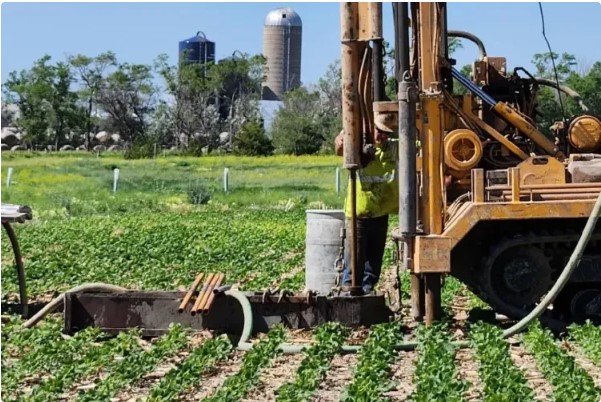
pixel 211 107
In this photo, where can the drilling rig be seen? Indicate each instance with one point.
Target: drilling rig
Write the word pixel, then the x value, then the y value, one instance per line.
pixel 499 204
pixel 484 196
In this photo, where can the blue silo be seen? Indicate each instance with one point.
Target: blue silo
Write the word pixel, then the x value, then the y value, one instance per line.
pixel 197 49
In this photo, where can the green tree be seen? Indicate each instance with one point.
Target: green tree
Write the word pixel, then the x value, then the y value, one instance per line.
pixel 251 140
pixel 329 115
pixel 90 73
pixel 49 110
pixel 297 128
pixel 544 65
pixel 212 97
pixel 128 96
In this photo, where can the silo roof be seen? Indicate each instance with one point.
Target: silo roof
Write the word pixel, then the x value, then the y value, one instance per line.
pixel 283 17
pixel 200 37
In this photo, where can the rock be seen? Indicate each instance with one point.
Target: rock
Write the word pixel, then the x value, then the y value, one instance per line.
pixel 99 148
pixel 81 148
pixel 66 148
pixel 51 148
pixel 4 147
pixel 114 148
pixel 103 136
pixel 225 137
pixel 10 136
pixel 18 148
pixel 116 137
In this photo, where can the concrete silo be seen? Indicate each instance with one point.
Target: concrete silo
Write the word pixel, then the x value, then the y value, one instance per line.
pixel 282 40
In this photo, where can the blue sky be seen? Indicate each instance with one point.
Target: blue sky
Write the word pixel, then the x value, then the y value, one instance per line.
pixel 138 32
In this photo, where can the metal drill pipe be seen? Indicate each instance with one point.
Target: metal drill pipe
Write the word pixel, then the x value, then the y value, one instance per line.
pixel 417 297
pixel 353 231
pixel 433 297
pixel 207 306
pixel 350 64
pixel 207 293
pixel 188 296
pixel 201 293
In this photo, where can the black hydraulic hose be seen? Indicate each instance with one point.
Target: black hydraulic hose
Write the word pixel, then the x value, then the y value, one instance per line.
pixel 12 237
pixel 565 89
pixel 471 37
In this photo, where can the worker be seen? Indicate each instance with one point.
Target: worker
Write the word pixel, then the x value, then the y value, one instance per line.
pixel 377 197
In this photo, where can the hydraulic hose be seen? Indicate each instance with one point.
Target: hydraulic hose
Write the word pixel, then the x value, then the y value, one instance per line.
pixel 59 300
pixel 565 89
pixel 565 274
pixel 469 36
pixel 287 348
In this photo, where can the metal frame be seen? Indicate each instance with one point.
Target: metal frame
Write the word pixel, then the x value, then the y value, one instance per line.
pixel 153 312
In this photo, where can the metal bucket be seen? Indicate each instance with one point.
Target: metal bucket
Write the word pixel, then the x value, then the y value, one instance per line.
pixel 322 248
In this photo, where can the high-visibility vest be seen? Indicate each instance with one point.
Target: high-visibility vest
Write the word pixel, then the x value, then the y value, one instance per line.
pixel 377 185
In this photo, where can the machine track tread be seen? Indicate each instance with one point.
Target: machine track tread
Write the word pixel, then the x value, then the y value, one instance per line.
pixel 551 243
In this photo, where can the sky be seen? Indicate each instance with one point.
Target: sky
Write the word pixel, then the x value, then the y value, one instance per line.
pixel 138 32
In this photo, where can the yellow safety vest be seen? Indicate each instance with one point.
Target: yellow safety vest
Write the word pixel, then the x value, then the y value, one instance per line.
pixel 377 185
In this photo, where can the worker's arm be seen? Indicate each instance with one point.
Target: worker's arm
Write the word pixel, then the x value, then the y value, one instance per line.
pixel 338 143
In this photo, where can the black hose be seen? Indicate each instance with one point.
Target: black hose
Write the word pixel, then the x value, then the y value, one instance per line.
pixel 471 37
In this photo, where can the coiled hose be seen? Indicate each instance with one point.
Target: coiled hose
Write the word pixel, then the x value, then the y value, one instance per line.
pixel 573 262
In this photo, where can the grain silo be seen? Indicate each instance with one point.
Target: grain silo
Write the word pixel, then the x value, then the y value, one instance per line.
pixel 197 49
pixel 282 39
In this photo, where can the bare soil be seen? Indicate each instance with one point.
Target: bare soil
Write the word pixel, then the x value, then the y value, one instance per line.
pixel 535 378
pixel 339 376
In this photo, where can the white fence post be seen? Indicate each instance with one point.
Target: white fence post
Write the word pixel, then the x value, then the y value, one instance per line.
pixel 9 177
pixel 154 154
pixel 226 173
pixel 115 179
pixel 337 179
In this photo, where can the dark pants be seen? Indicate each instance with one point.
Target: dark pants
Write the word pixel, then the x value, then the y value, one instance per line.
pixel 371 240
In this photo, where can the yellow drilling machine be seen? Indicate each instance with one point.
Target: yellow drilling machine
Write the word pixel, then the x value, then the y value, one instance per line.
pixel 500 205
pixel 484 195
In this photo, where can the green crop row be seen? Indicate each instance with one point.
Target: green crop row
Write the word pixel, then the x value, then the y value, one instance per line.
pixel 160 251
pixel 372 374
pixel 436 376
pixel 329 338
pixel 238 385
pixel 134 366
pixel 588 336
pixel 503 382
pixel 570 381
pixel 18 341
pixel 46 357
pixel 88 361
pixel 181 378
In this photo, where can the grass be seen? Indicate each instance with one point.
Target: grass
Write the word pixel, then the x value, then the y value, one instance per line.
pixel 79 184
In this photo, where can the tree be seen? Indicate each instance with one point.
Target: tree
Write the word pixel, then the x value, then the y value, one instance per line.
pixel 90 72
pixel 49 110
pixel 296 125
pixel 252 141
pixel 211 97
pixel 127 95
pixel 544 65
pixel 329 115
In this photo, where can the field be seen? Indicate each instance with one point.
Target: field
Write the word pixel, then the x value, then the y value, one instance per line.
pixel 171 219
